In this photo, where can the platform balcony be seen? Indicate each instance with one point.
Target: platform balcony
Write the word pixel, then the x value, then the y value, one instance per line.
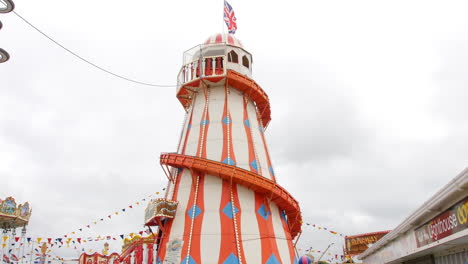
pixel 207 61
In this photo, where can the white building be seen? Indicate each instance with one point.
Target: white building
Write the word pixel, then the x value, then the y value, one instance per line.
pixel 436 233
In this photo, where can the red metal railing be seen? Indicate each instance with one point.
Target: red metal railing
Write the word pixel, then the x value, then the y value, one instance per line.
pixel 238 81
pixel 249 179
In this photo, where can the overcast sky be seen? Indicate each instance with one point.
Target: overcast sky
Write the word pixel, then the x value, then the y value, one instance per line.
pixel 369 103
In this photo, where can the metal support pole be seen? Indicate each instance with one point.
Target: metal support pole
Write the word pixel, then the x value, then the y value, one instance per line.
pixel 325 252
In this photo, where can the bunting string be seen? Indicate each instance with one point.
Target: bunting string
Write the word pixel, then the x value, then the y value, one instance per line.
pixel 13 247
pixel 317 227
pixel 115 213
pixel 74 243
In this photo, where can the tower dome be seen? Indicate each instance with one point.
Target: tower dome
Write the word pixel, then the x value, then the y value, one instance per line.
pixel 224 39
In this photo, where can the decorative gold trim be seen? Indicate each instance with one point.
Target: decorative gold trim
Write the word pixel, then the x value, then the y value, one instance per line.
pixel 160 208
pixel 11 215
pixel 136 240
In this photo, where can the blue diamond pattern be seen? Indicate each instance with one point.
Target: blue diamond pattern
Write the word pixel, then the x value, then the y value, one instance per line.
pixel 179 170
pixel 247 123
pixel 272 260
pixel 189 126
pixel 261 129
pixel 197 211
pixel 271 171
pixel 283 215
pixel 190 260
pixel 263 212
pixel 159 261
pixel 227 120
pixel 227 210
pixel 229 161
pixel 254 165
pixel 204 122
pixel 231 259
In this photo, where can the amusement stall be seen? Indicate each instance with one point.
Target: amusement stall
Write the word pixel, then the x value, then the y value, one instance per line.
pixel 13 216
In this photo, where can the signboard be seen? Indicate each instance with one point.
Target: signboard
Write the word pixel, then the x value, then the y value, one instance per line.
pixel 174 251
pixel 359 243
pixel 453 220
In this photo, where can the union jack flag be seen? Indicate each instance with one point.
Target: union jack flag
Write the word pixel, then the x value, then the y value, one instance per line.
pixel 230 18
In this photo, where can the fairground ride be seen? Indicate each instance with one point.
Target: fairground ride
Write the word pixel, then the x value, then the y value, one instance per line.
pixel 13 216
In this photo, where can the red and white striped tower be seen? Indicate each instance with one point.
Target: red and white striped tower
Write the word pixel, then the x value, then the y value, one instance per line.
pixel 230 209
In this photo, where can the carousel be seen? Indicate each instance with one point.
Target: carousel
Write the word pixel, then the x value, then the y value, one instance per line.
pixel 12 217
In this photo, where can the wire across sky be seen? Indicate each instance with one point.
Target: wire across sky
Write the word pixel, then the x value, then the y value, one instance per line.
pixel 88 61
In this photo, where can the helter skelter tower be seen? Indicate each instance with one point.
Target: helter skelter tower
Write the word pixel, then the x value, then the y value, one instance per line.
pixel 229 208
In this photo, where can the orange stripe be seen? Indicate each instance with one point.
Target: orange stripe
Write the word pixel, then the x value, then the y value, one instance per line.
pixel 162 248
pixel 270 168
pixel 249 135
pixel 267 234
pixel 238 219
pixel 195 252
pixel 228 244
pixel 265 226
pixel 204 124
pixel 197 220
pixel 194 240
pixel 229 241
pixel 228 147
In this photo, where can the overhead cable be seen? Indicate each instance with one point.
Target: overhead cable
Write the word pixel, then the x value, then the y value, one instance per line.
pixel 87 61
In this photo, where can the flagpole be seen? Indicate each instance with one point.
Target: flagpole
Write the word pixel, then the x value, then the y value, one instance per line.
pixel 222 24
pixel 32 246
